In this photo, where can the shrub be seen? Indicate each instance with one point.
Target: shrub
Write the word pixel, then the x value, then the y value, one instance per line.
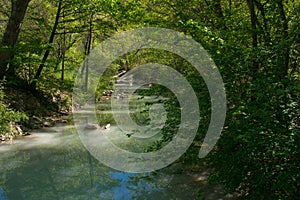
pixel 258 154
pixel 9 117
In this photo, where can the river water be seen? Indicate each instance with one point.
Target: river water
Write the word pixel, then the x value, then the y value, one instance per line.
pixel 52 163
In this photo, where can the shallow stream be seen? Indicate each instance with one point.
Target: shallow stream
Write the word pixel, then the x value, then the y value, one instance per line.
pixel 52 163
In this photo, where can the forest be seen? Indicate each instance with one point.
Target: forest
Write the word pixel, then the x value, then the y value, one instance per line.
pixel 255 45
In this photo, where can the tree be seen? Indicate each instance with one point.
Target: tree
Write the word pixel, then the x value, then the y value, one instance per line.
pixel 11 33
pixel 51 39
pixel 284 64
pixel 253 18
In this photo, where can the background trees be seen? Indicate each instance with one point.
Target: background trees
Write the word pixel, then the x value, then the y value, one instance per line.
pixel 255 44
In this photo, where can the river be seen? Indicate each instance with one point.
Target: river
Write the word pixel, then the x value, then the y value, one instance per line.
pixel 52 163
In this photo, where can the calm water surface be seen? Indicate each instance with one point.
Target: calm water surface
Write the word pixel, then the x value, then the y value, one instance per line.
pixel 52 163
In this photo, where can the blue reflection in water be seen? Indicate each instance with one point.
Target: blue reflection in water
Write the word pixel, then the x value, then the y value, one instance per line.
pixel 127 186
pixel 2 195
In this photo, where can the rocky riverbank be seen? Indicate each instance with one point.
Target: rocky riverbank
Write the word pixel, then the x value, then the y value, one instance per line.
pixel 43 109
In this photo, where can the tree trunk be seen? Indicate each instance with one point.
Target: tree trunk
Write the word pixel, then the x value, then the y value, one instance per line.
pixel 284 64
pixel 64 48
pixel 216 7
pixel 63 57
pixel 87 47
pixel 11 34
pixel 253 22
pixel 47 52
pixel 265 28
pixel 253 18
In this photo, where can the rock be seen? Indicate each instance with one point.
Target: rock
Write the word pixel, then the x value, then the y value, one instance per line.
pixel 64 121
pixel 2 137
pixel 36 119
pixel 91 126
pixel 107 126
pixel 47 124
pixel 18 129
pixel 26 133
pixel 107 92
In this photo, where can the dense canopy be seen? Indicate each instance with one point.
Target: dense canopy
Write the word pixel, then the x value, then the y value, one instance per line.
pixel 254 43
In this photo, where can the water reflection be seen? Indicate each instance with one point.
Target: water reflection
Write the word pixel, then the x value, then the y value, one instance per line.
pixel 126 187
pixel 2 195
pixel 53 164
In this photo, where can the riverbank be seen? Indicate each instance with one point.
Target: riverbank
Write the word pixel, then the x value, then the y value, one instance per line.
pixel 43 108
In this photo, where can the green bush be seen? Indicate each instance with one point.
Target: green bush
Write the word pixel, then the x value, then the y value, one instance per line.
pixel 258 154
pixel 8 118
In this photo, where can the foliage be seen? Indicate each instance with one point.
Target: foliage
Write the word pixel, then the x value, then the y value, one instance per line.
pixel 259 150
pixel 8 118
pixel 254 43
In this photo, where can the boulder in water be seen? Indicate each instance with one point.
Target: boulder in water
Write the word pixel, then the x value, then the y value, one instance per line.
pixel 91 126
pixel 107 126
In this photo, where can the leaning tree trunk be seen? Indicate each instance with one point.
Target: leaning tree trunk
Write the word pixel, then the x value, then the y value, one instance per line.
pixel 47 52
pixel 11 33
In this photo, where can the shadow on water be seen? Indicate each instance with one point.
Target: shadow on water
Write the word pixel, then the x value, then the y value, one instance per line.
pixel 53 164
